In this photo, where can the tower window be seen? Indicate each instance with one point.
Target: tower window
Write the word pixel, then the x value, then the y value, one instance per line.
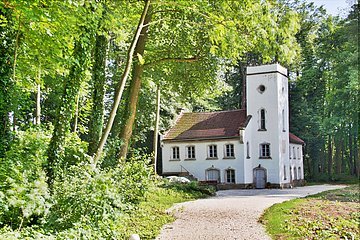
pixel 262 120
pixel 283 120
pixel 261 88
pixel 265 150
pixel 247 150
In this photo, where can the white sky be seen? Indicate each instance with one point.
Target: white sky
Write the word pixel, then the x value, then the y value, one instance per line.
pixel 335 7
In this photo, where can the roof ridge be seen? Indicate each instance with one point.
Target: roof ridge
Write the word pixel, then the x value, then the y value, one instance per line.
pixel 233 110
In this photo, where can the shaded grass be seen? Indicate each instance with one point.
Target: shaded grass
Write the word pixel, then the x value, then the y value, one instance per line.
pixel 328 215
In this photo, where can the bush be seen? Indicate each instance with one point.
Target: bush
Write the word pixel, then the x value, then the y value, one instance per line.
pixel 91 199
pixel 23 189
pixel 192 187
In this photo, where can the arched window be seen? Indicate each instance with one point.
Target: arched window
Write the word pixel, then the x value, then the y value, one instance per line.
pixel 262 119
pixel 213 174
pixel 299 173
pixel 230 175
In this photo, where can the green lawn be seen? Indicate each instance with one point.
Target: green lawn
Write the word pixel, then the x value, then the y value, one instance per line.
pixel 329 215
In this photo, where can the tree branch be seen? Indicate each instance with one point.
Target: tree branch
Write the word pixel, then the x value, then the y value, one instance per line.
pixel 192 59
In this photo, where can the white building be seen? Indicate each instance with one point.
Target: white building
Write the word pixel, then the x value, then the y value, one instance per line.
pixel 243 148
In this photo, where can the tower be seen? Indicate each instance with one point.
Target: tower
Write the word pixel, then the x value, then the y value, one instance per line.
pixel 268 131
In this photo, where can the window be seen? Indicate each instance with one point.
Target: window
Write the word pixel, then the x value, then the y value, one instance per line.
pixel 247 150
pixel 230 176
pixel 298 153
pixel 265 150
pixel 294 153
pixel 299 173
pixel 190 152
pixel 213 175
pixel 175 155
pixel 261 88
pixel 289 152
pixel 229 151
pixel 262 119
pixel 212 151
pixel 284 172
pixel 283 120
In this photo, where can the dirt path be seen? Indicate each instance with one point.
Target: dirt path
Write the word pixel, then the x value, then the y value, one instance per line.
pixel 232 214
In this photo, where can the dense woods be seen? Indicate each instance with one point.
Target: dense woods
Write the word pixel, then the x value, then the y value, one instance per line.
pixel 78 96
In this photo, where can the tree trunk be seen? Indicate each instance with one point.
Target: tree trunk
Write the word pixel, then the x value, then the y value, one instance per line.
pixel 38 105
pixel 135 86
pixel 330 156
pixel 76 113
pixel 7 40
pixel 98 89
pixel 122 82
pixel 66 109
pixel 338 155
pixel 156 129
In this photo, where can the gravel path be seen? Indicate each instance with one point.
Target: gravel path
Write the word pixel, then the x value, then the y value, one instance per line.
pixel 232 214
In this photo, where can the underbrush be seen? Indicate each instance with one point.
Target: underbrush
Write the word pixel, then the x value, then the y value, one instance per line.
pixel 328 215
pixel 86 202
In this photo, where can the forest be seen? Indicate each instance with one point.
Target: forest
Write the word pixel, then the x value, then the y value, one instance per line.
pixel 86 86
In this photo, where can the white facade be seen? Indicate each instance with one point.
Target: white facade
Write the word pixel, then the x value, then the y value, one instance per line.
pixel 262 152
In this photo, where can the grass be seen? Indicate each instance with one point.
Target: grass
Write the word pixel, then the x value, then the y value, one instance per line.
pixel 331 214
pixel 148 219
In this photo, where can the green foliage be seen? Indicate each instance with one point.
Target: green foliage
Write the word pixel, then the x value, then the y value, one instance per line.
pixel 93 196
pixel 192 188
pixel 24 196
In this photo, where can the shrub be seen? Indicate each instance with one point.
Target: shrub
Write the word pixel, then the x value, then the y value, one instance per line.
pixel 23 188
pixel 192 187
pixel 89 197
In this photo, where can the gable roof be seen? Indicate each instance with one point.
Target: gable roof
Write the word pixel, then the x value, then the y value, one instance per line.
pixel 206 125
pixel 295 139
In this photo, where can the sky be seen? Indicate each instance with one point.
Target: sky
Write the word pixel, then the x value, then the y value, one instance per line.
pixel 335 7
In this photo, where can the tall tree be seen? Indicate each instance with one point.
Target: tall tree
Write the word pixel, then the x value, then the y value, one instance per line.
pixel 7 39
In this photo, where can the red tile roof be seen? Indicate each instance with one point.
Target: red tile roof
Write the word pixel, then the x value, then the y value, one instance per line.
pixel 205 125
pixel 295 139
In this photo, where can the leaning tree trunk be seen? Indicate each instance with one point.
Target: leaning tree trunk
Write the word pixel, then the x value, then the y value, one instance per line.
pixel 135 86
pixel 120 89
pixel 98 95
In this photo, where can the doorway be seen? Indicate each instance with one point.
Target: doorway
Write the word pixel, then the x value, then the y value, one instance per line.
pixel 260 177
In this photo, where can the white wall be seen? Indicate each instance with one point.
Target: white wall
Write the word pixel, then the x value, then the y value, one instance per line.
pixel 198 166
pixel 296 161
pixel 274 100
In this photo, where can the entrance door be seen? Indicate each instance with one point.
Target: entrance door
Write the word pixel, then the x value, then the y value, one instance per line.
pixel 260 177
